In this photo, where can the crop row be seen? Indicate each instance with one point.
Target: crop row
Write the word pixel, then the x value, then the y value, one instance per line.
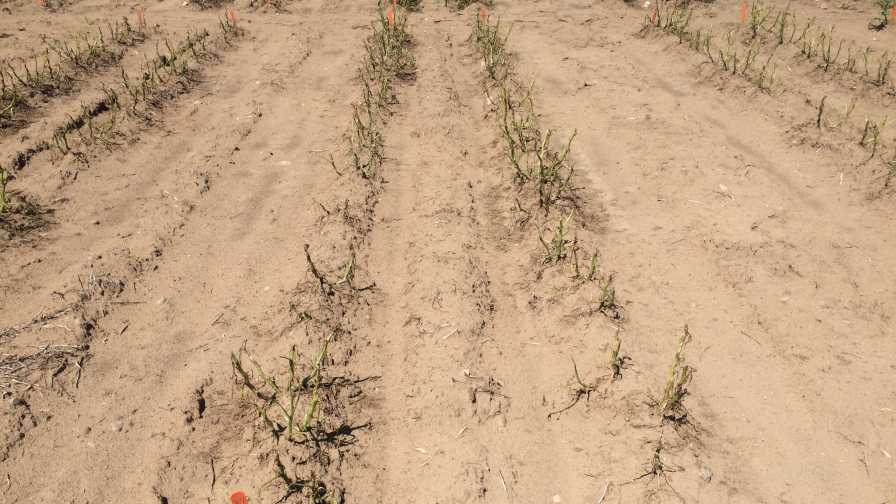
pixel 170 72
pixel 768 29
pixel 543 171
pixel 56 69
pixel 301 406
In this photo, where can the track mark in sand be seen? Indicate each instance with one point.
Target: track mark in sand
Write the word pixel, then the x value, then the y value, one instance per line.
pixel 436 310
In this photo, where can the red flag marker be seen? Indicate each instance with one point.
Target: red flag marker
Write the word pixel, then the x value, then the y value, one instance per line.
pixel 239 497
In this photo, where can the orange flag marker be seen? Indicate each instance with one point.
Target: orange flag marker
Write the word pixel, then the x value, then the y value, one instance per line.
pixel 239 497
pixel 744 10
pixel 390 16
pixel 231 16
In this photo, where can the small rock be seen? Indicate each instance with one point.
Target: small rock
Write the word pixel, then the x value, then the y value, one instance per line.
pixel 706 474
pixel 118 424
pixel 556 499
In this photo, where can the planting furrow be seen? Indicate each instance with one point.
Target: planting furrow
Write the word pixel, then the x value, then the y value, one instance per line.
pixel 437 396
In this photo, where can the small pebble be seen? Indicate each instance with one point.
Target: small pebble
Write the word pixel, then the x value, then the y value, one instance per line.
pixel 706 474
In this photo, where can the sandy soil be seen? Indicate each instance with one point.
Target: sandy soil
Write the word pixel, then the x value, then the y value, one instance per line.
pixel 447 357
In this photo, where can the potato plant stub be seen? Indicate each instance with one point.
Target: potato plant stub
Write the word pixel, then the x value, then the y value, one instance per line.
pixel 4 179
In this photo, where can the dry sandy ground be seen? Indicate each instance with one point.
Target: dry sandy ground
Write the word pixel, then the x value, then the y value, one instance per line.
pixel 145 266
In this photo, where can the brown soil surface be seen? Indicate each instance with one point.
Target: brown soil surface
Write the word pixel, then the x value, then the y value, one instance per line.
pixel 461 365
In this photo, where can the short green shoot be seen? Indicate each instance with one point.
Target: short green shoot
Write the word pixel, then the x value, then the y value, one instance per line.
pixel 883 69
pixel 758 14
pixel 872 133
pixel 493 48
pixel 607 298
pixel 278 403
pixel 556 250
pixel 349 275
pixel 820 112
pixel 322 281
pixel 671 405
pixel 883 19
pixel 617 360
pixel 592 269
pixel 4 179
